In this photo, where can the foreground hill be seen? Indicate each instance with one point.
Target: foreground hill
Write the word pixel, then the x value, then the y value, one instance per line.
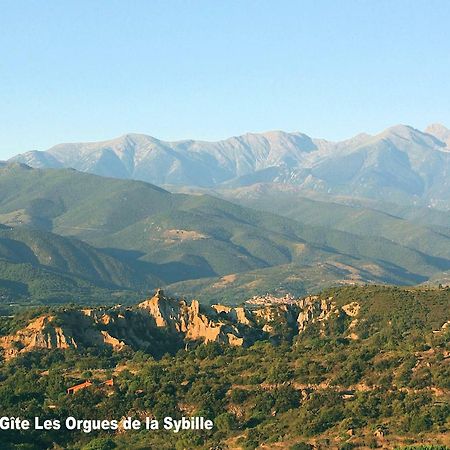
pixel 164 321
pixel 401 163
pixel 355 367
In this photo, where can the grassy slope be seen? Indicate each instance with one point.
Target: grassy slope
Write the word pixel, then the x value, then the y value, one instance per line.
pixel 279 280
pixel 41 266
pixel 404 226
pixel 67 255
pixel 24 283
pixel 138 223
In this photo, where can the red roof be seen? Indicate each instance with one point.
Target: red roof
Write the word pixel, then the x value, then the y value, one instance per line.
pixel 77 387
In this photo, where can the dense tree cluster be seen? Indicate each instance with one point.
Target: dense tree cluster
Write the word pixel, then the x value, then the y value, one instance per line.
pixel 316 390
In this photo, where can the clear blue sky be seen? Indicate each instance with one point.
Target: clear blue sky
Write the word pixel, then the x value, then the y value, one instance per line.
pixel 91 70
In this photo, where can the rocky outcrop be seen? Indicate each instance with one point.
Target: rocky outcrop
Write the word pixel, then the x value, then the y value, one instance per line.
pixel 172 320
pixel 314 309
pixel 238 314
pixel 38 334
pixel 207 326
pixel 351 309
pixel 166 313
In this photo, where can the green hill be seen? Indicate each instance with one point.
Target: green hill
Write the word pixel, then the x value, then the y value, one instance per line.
pixel 405 226
pixel 150 234
pixel 43 266
pixel 369 368
pixel 283 279
pixel 24 283
pixel 57 253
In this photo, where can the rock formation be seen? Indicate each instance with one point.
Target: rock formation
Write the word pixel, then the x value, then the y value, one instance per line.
pixel 141 326
pixel 39 333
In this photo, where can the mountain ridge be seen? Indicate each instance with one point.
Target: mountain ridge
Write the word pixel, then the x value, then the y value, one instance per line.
pixel 151 232
pixel 401 162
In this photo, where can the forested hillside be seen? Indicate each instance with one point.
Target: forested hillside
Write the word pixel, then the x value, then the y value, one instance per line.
pixel 140 236
pixel 374 377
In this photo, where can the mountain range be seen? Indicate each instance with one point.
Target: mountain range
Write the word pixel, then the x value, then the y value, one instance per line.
pixel 239 233
pixel 401 164
pixel 270 212
pixel 86 233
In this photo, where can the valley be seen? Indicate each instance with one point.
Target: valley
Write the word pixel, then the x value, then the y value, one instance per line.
pixel 109 237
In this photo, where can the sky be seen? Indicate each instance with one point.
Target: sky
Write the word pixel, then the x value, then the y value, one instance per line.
pixel 74 71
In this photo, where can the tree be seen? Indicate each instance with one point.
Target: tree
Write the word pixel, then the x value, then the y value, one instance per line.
pixel 226 422
pixel 100 444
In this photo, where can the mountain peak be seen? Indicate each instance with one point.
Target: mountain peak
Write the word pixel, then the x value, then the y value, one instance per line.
pixel 436 127
pixel 411 140
pixel 440 132
pixel 401 130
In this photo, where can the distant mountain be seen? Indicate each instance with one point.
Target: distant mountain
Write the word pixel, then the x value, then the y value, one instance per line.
pixel 152 235
pixel 440 132
pixel 405 226
pixel 401 163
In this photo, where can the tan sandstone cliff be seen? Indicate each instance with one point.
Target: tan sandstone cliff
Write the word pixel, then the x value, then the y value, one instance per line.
pixel 137 327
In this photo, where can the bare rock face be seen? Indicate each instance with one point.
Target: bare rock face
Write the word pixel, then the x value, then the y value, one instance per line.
pixel 179 317
pixel 313 309
pixel 166 313
pixel 242 316
pixel 270 314
pixel 238 314
pixel 139 327
pixel 39 334
pixel 442 133
pixel 78 329
pixel 351 309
